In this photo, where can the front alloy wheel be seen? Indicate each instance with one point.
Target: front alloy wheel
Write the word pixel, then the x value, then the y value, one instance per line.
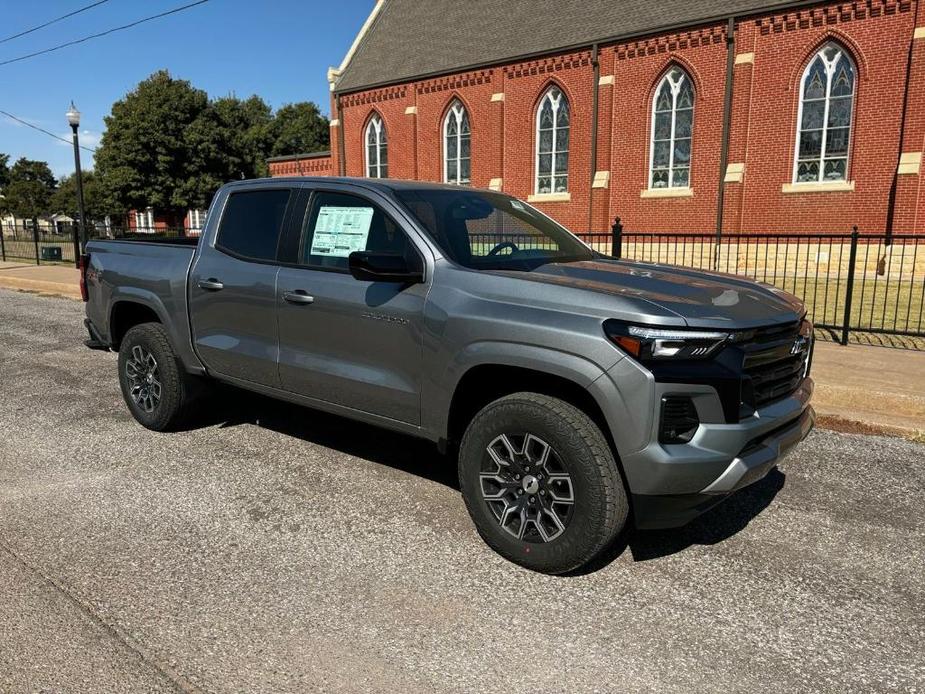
pixel 527 487
pixel 540 482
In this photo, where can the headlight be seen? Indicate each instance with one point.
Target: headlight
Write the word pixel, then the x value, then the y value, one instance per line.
pixel 648 344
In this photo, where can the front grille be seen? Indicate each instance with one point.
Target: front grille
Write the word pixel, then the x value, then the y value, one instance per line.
pixel 775 364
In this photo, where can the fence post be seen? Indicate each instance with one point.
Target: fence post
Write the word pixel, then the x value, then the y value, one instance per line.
pixel 616 238
pixel 852 258
pixel 2 245
pixel 35 239
pixel 74 230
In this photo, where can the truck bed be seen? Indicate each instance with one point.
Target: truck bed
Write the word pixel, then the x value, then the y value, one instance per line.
pixel 148 271
pixel 159 240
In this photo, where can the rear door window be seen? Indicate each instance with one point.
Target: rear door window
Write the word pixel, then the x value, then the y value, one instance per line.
pixel 251 223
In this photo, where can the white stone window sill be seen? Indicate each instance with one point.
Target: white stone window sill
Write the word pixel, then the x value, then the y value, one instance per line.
pixel 550 197
pixel 826 187
pixel 667 193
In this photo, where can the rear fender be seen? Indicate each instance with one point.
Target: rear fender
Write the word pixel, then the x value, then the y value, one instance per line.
pixel 178 340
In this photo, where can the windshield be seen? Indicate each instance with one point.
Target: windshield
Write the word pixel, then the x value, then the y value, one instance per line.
pixel 490 231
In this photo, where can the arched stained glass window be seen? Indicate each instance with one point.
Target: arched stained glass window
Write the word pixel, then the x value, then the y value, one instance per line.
pixel 672 130
pixel 456 145
pixel 824 120
pixel 377 151
pixel 552 135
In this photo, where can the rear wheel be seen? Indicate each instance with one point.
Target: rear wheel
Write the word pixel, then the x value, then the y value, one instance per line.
pixel 541 483
pixel 154 384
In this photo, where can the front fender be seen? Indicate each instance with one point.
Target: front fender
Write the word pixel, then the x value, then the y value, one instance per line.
pixel 572 367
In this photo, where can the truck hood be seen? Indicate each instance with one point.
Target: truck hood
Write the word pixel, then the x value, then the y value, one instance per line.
pixel 704 299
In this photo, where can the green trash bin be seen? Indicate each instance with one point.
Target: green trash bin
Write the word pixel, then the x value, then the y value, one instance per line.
pixel 51 252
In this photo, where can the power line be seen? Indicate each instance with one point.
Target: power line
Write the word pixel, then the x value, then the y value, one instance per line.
pixel 42 130
pixel 103 33
pixel 53 21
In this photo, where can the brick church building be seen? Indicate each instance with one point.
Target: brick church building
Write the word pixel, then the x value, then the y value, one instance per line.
pixel 677 115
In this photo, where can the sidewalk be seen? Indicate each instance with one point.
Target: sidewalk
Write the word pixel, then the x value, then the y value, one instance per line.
pixel 57 280
pixel 858 388
pixel 881 388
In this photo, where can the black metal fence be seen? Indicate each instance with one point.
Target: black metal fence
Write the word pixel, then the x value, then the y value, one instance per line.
pixel 871 283
pixel 852 282
pixel 51 245
pixel 58 246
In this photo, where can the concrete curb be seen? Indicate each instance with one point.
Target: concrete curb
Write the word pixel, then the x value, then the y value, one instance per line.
pixel 834 422
pixel 43 287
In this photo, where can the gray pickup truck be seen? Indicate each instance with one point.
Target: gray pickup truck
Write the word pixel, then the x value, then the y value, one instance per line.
pixel 578 392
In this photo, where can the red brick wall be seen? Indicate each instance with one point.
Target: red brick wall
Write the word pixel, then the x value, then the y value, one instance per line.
pixel 909 208
pixel 638 68
pixel 877 33
pixel 308 166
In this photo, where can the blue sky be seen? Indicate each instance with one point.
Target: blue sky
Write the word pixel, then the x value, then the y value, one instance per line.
pixel 278 49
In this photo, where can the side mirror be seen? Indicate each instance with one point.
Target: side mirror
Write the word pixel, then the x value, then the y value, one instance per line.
pixel 371 266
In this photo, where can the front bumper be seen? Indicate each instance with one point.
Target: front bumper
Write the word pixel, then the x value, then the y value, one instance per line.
pixel 750 465
pixel 733 444
pixel 654 468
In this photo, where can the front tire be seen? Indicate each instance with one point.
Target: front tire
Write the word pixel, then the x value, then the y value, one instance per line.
pixel 156 388
pixel 541 483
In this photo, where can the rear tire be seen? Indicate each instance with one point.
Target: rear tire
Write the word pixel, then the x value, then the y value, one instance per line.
pixel 541 483
pixel 155 386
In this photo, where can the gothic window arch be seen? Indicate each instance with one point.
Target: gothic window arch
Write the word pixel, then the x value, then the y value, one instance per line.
pixel 457 146
pixel 552 142
pixel 672 131
pixel 824 118
pixel 377 148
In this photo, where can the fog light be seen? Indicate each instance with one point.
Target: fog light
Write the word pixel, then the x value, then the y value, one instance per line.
pixel 679 420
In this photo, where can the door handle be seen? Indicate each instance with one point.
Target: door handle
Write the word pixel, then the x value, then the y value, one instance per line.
pixel 212 284
pixel 298 297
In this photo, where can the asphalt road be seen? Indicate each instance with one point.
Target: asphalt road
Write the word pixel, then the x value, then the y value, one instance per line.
pixel 273 548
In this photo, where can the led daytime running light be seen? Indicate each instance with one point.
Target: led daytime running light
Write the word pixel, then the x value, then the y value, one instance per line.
pixel 671 334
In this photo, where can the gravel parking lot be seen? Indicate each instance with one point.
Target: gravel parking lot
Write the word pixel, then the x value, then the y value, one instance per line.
pixel 272 548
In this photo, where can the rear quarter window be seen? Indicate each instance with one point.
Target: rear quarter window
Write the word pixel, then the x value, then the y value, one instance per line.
pixel 252 222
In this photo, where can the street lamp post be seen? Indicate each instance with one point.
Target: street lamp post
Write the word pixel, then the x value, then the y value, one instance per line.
pixel 73 118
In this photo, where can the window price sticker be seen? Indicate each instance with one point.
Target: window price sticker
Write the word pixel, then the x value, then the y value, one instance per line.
pixel 339 231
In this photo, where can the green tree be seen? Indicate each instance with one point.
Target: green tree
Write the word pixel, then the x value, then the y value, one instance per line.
pixel 95 202
pixel 247 134
pixel 4 171
pixel 169 147
pixel 299 128
pixel 28 194
pixel 4 179
pixel 161 148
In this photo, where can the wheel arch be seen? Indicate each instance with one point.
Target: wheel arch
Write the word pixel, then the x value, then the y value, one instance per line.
pixel 486 382
pixel 126 312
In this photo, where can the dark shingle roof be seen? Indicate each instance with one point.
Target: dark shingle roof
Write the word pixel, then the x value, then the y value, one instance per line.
pixel 303 155
pixel 413 38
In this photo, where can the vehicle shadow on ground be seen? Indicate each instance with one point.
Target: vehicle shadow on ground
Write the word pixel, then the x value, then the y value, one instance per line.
pixel 719 523
pixel 716 525
pixel 232 407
